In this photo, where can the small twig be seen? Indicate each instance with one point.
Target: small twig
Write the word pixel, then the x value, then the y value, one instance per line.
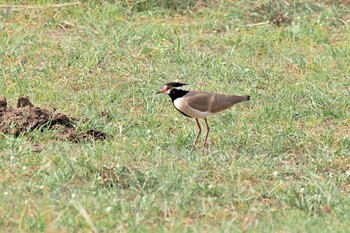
pixel 41 7
pixel 344 22
pixel 257 24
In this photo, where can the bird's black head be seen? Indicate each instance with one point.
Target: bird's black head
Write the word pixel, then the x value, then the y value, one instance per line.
pixel 172 86
pixel 175 84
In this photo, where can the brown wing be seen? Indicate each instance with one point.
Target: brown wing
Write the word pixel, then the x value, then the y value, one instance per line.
pixel 204 101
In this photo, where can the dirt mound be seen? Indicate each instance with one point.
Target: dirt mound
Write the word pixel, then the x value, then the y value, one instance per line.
pixel 26 117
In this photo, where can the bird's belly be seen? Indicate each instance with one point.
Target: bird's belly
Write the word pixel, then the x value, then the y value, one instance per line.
pixel 183 107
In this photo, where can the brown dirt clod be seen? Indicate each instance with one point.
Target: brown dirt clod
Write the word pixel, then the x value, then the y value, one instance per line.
pixel 3 102
pixel 24 102
pixel 26 117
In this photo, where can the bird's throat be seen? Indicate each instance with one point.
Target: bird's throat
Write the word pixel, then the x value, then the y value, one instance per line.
pixel 174 94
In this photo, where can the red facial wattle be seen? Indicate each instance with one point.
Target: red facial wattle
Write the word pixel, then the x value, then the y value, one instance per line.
pixel 164 89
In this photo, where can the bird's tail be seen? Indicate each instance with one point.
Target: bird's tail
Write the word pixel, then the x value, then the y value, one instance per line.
pixel 235 99
pixel 241 98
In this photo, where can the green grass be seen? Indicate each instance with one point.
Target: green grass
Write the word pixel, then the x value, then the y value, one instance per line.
pixel 280 163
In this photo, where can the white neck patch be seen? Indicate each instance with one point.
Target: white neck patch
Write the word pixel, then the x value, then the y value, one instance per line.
pixel 178 88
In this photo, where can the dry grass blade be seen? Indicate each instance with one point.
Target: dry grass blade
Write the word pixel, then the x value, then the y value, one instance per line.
pixel 40 7
pixel 83 212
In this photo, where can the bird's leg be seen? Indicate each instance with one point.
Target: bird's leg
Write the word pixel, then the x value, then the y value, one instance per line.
pixel 208 129
pixel 199 132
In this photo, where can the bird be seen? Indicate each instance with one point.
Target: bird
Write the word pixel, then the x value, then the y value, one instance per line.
pixel 199 104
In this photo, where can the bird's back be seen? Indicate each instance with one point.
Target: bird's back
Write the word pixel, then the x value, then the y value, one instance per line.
pixel 204 101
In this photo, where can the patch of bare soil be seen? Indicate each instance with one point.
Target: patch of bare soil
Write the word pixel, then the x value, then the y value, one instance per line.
pixel 26 117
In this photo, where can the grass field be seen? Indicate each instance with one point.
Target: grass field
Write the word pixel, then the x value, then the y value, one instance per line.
pixel 280 163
